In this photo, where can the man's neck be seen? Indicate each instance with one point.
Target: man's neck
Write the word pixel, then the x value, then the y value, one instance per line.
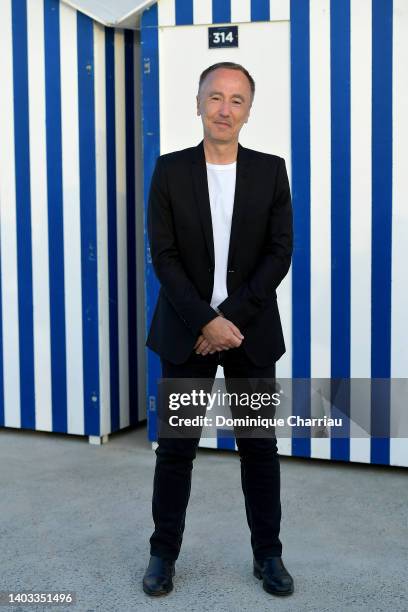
pixel 220 153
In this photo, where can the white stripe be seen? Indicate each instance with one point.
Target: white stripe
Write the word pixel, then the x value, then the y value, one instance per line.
pixel 102 229
pixel 167 13
pixel 320 220
pixel 320 448
pixel 284 365
pixel 320 198
pixel 72 226
pixel 399 412
pixel 399 301
pixel 279 10
pixel 399 352
pixel 284 293
pixel 8 229
pixel 240 11
pixel 121 227
pixel 360 450
pixel 284 446
pixel 360 227
pixel 320 407
pixel 360 14
pixel 399 452
pixel 360 422
pixel 208 442
pixel 202 11
pixel 39 215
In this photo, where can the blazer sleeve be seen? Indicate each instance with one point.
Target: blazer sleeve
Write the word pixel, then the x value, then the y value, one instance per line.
pixel 178 288
pixel 251 297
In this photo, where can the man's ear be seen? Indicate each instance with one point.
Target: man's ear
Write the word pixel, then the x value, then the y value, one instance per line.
pixel 249 112
pixel 198 106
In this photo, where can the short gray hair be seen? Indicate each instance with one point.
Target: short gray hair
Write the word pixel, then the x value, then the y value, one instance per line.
pixel 230 66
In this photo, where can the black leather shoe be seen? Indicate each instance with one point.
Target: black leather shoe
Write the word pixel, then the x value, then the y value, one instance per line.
pixel 276 578
pixel 157 579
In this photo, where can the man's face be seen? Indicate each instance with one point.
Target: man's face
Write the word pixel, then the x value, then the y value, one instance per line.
pixel 224 102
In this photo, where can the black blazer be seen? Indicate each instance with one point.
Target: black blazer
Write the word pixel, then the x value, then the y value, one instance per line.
pixel 182 252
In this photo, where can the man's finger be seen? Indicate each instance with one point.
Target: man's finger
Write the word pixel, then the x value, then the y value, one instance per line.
pixel 199 340
pixel 202 344
pixel 204 347
pixel 234 342
pixel 235 330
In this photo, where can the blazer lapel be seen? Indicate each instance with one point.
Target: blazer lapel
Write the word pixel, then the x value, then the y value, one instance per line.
pixel 240 199
pixel 203 199
pixel 202 196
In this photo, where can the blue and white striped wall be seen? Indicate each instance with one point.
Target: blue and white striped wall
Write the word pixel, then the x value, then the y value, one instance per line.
pixel 349 154
pixel 68 301
pixel 196 12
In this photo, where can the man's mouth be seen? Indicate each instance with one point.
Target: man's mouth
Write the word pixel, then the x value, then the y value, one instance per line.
pixel 224 123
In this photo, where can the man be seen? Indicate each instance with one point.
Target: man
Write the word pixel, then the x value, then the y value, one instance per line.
pixel 220 233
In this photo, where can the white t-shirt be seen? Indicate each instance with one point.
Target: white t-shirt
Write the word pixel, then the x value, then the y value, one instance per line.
pixel 221 188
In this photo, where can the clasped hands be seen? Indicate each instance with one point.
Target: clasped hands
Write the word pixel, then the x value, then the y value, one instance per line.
pixel 219 334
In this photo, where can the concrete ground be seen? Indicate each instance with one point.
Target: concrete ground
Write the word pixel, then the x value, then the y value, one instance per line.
pixel 78 517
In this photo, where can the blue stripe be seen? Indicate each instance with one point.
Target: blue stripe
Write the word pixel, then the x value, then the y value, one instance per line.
pixel 151 149
pixel 340 409
pixel 221 11
pixel 23 213
pixel 340 218
pixel 301 405
pixel 87 180
pixel 225 439
pixel 340 186
pixel 380 420
pixel 382 15
pixel 184 12
pixel 131 223
pixel 300 121
pixel 55 214
pixel 260 9
pixel 112 227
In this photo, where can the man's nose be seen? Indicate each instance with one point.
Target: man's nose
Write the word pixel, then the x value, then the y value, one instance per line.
pixel 225 109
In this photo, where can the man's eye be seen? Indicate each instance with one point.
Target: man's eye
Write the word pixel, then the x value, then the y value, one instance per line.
pixel 237 102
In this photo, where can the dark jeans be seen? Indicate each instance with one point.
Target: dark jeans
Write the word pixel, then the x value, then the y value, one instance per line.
pixel 259 460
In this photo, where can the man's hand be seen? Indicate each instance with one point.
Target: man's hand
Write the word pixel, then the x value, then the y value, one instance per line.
pixel 203 347
pixel 220 334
